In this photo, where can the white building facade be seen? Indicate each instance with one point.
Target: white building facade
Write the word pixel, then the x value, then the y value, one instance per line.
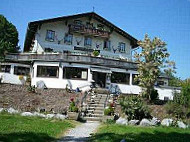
pixel 61 52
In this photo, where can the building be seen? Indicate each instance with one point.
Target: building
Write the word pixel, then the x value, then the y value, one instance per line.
pixel 78 51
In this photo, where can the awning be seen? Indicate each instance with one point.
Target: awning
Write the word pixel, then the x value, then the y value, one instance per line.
pixel 101 70
pixel 118 70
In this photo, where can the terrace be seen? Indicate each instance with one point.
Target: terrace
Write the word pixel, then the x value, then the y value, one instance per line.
pixel 70 58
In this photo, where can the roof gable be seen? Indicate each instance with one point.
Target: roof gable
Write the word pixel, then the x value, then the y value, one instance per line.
pixel 32 27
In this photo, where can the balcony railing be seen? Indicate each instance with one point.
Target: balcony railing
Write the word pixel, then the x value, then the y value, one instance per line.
pixel 63 57
pixel 88 31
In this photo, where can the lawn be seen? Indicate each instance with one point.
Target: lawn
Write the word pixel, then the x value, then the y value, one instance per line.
pixel 115 133
pixel 15 128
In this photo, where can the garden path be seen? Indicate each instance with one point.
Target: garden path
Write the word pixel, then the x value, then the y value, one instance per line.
pixel 80 133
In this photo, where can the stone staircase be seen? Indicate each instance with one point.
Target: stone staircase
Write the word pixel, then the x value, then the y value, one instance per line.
pixel 95 105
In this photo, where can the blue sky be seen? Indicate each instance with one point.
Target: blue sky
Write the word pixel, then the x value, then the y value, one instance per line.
pixel 167 19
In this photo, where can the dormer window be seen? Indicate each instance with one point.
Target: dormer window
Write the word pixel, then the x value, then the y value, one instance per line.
pixel 122 47
pixel 68 39
pixel 50 35
pixel 88 41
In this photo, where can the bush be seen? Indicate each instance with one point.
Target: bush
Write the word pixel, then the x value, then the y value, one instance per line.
pixel 176 110
pixel 31 89
pixel 180 106
pixel 95 53
pixel 109 111
pixel 134 107
pixel 154 95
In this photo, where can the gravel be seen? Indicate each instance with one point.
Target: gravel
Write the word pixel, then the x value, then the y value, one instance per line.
pixel 80 133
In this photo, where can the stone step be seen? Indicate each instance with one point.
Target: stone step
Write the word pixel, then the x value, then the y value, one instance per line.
pixel 97 105
pixel 94 115
pixel 96 111
pixel 92 118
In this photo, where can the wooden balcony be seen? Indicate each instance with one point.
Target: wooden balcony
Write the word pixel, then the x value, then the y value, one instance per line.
pixel 88 31
pixel 63 57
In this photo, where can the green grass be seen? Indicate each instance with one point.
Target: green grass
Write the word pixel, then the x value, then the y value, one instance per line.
pixel 115 133
pixel 15 128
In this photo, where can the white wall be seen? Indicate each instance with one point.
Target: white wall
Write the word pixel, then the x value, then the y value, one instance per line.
pixel 11 77
pixel 85 84
pixel 60 82
pixel 61 29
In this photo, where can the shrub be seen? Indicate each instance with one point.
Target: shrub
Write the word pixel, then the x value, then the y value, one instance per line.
pixel 95 53
pixel 154 95
pixel 108 111
pixel 31 89
pixel 134 107
pixel 28 80
pixel 110 121
pixel 180 105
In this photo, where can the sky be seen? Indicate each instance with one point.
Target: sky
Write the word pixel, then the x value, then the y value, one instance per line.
pixel 166 19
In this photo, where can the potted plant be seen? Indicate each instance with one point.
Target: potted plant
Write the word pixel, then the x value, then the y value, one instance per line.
pixel 109 112
pixel 95 53
pixel 73 113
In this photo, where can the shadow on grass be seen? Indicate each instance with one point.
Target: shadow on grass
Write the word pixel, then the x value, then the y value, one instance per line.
pixel 26 137
pixel 142 137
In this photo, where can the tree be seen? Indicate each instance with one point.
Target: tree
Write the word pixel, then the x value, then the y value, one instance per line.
pixel 174 81
pixel 152 58
pixel 8 38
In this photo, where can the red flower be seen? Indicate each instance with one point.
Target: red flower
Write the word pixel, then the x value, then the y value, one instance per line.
pixel 72 99
pixel 111 104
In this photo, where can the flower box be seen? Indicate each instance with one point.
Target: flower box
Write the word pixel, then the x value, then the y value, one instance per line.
pixel 73 115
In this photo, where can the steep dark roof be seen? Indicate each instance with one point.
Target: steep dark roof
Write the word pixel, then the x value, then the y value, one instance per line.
pixel 32 27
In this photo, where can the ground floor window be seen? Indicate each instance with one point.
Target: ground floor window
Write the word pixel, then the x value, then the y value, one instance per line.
pixel 160 83
pixel 75 73
pixel 48 71
pixel 18 70
pixel 5 68
pixel 117 77
pixel 134 81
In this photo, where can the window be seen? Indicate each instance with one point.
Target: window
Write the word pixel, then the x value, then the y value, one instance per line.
pixel 18 70
pixel 117 77
pixel 5 68
pixel 78 22
pixel 122 47
pixel 100 27
pixel 166 98
pixel 50 35
pixel 68 39
pixel 87 41
pixel 89 25
pixel 48 71
pixel 75 73
pixel 160 83
pixel 134 82
pixel 107 45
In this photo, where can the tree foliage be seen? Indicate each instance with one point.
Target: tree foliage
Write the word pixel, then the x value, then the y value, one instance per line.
pixel 180 106
pixel 8 38
pixel 153 57
pixel 174 81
